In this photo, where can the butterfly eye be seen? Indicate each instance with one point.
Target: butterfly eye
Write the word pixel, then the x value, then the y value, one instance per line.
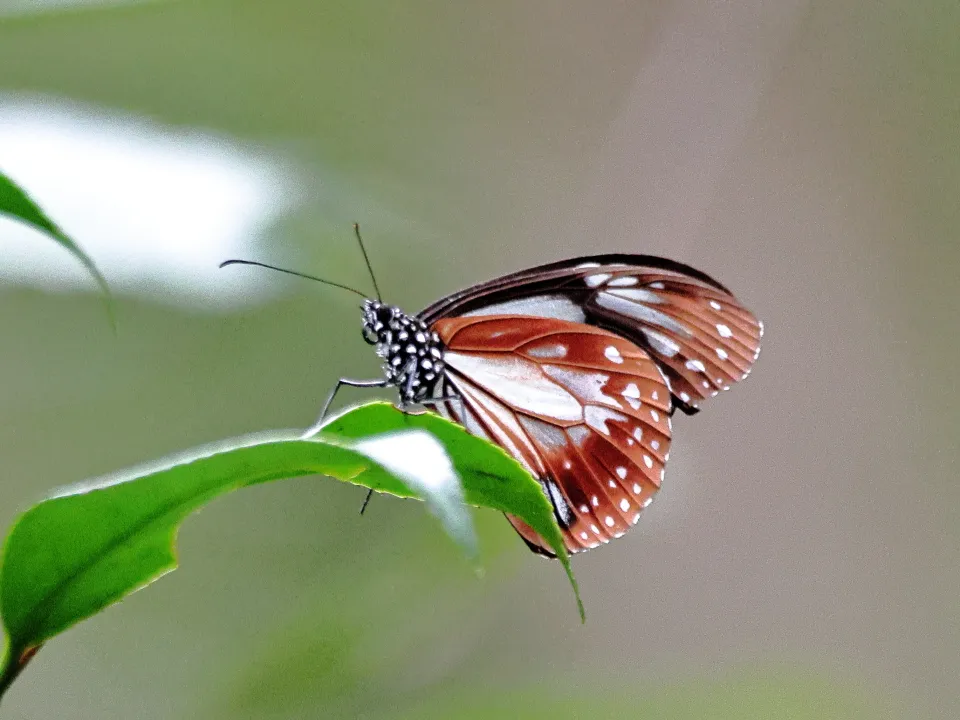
pixel 385 314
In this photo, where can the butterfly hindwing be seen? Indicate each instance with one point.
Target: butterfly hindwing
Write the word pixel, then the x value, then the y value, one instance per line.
pixel 585 410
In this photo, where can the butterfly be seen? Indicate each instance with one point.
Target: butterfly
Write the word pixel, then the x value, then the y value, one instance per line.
pixel 574 368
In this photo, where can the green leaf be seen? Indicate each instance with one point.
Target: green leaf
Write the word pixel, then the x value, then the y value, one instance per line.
pixel 492 479
pixel 783 693
pixel 78 552
pixel 15 202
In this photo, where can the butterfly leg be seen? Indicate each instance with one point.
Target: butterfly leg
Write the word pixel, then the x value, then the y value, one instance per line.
pixel 333 393
pixel 434 401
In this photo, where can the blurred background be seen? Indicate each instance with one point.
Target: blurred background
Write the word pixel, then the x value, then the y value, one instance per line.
pixel 801 560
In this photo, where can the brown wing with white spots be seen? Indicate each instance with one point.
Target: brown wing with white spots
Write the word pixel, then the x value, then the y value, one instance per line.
pixel 702 338
pixel 585 410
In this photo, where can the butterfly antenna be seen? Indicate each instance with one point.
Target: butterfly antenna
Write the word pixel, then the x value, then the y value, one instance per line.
pixel 366 259
pixel 298 274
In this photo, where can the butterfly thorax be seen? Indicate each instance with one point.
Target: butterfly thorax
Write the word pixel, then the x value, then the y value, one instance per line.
pixel 412 353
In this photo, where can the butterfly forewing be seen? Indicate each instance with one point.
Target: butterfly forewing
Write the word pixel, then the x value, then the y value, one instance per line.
pixel 702 338
pixel 585 410
pixel 693 327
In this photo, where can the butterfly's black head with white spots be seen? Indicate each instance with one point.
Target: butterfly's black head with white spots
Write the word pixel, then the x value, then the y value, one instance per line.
pixel 412 353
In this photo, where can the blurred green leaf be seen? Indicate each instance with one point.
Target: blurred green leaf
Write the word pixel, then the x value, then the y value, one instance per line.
pixel 314 664
pixel 76 553
pixel 15 202
pixel 784 695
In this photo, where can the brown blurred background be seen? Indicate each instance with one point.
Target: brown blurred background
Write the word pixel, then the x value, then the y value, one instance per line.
pixel 802 558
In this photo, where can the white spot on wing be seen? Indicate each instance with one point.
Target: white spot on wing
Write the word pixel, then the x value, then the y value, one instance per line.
pixel 715 305
pixel 647 502
pixel 638 433
pixel 637 489
pixel 613 355
pixel 722 354
pixel 622 472
pixel 724 331
pixel 596 280
pixel 624 505
pixel 647 461
pixel 655 415
pixel 597 417
pixel 631 391
pixel 624 281
pixel 548 352
pixel 695 365
pixel 609 521
pixel 595 501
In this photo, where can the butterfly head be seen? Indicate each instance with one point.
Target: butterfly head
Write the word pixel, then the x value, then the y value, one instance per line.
pixel 412 353
pixel 378 321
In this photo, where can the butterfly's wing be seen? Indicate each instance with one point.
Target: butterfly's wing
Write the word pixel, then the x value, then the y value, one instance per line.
pixel 585 410
pixel 701 337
